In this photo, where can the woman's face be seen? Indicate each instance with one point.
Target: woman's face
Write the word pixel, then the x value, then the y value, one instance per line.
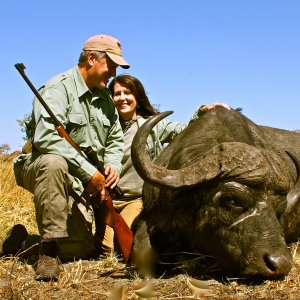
pixel 125 102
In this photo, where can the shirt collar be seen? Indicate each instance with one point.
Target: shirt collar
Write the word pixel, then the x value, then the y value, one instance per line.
pixel 82 87
pixel 80 83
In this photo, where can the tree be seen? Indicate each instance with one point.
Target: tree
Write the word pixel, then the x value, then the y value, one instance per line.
pixel 4 149
pixel 24 125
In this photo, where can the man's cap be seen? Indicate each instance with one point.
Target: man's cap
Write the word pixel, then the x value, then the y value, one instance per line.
pixel 108 44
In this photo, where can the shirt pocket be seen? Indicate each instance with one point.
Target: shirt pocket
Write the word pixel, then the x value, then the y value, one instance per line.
pixel 77 127
pixel 102 127
pixel 106 122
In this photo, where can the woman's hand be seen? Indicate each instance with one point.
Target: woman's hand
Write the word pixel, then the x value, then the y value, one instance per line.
pixel 214 105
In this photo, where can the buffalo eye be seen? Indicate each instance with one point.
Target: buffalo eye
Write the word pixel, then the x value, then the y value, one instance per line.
pixel 232 204
pixel 234 197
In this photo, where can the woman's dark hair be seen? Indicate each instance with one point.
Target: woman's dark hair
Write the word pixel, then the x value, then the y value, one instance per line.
pixel 144 107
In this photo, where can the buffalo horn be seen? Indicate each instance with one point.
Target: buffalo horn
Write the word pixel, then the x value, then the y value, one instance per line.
pixel 231 159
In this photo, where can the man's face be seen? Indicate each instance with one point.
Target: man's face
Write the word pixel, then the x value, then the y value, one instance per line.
pixel 101 71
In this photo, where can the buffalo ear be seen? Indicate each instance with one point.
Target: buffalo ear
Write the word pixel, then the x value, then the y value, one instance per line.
pixel 289 220
pixel 292 199
pixel 293 196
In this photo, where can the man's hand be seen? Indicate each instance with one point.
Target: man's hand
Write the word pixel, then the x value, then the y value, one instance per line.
pixel 111 177
pixel 96 185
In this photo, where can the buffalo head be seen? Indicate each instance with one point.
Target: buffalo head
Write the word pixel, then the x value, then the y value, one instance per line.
pixel 219 189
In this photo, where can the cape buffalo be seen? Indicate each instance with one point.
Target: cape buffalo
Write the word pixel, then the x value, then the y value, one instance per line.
pixel 224 187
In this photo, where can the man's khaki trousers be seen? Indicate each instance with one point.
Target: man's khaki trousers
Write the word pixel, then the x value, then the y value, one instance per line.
pixel 61 214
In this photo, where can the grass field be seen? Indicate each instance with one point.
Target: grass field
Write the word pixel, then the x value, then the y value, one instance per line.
pixel 109 278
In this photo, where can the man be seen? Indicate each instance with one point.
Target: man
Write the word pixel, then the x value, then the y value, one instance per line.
pixel 61 180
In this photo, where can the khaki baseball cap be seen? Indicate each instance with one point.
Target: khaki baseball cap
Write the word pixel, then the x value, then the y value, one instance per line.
pixel 108 44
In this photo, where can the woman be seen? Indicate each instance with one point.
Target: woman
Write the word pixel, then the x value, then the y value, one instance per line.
pixel 134 109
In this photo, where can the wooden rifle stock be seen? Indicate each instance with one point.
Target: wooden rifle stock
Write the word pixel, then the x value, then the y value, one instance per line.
pixel 123 234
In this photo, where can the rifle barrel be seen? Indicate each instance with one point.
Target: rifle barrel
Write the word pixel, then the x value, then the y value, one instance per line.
pixel 21 67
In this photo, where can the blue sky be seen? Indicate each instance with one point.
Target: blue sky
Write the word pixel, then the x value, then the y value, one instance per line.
pixel 186 53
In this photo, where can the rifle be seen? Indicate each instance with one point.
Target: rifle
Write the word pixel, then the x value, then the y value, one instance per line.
pixel 123 234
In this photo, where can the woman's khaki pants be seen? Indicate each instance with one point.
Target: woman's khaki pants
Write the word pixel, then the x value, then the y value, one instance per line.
pixel 129 210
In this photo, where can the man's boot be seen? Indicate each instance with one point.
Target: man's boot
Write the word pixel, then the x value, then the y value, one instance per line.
pixel 48 266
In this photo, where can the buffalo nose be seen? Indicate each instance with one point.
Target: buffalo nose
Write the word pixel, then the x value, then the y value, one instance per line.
pixel 278 265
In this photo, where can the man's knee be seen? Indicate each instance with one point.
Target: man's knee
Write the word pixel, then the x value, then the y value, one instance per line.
pixel 53 163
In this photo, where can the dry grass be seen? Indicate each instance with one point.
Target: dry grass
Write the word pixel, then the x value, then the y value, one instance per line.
pixel 108 278
pixel 16 204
